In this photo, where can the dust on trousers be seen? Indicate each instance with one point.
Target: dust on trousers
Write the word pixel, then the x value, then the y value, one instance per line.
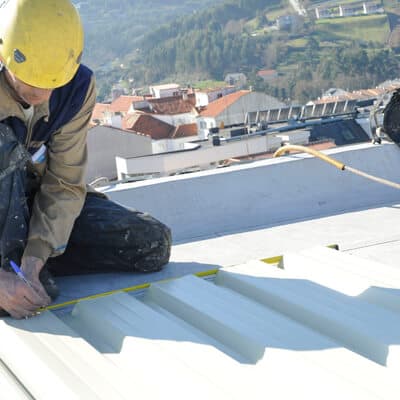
pixel 106 236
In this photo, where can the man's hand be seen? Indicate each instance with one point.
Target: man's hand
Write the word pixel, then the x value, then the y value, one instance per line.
pixel 31 267
pixel 18 298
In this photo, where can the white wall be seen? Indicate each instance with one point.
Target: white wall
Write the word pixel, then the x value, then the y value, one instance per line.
pixel 165 145
pixel 365 124
pixel 265 193
pixel 159 93
pixel 201 99
pixel 204 98
pixel 215 94
pixel 177 119
pixel 299 137
pixel 114 120
pixel 203 126
pixel 166 164
pixel 105 143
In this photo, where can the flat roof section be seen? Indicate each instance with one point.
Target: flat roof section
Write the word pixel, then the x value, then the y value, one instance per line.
pixel 231 215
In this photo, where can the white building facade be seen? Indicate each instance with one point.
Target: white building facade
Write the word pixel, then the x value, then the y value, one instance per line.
pixel 234 113
pixel 168 90
pixel 105 143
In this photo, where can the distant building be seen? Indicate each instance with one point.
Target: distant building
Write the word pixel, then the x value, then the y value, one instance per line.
pixel 194 157
pixel 168 90
pixel 113 114
pixel 321 12
pixel 204 97
pixel 390 85
pixel 231 110
pixel 285 22
pixel 349 10
pixel 105 143
pixel 171 119
pixel 179 139
pixel 267 74
pixel 176 110
pixel 123 104
pixel 361 97
pixel 99 114
pixel 236 79
pixel 334 92
pixel 373 8
pixel 148 125
pixel 165 137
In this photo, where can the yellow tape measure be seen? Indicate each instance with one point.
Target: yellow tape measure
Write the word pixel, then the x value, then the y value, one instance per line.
pixel 203 274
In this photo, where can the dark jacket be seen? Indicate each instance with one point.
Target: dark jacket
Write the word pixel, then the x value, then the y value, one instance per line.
pixel 60 124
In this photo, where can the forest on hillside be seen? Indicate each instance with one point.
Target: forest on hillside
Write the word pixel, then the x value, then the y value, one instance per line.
pixel 114 28
pixel 240 36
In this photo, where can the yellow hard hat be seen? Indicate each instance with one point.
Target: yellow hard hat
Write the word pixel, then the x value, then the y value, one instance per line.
pixel 41 41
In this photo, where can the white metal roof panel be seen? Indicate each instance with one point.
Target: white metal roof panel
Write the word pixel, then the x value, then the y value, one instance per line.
pixel 9 386
pixel 50 359
pixel 365 328
pixel 256 331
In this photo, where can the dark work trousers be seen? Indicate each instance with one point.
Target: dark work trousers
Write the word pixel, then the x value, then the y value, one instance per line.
pixel 107 237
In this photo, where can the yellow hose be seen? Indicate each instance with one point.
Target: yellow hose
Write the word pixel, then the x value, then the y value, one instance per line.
pixel 291 147
pixel 303 149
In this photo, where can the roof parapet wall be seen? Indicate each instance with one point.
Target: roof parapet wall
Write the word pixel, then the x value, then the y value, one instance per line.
pixel 268 192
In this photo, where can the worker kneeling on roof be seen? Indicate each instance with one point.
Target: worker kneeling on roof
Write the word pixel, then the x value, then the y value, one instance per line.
pixel 50 222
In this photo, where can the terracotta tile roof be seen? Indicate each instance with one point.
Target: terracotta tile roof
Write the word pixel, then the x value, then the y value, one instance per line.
pixel 358 94
pixel 173 105
pixel 218 106
pixel 123 103
pixel 98 114
pixel 266 72
pixel 392 86
pixel 148 125
pixel 185 131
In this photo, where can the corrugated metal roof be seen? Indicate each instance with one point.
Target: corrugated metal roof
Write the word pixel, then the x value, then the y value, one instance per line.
pixel 324 325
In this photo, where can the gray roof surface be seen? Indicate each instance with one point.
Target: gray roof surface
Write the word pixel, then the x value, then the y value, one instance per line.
pixel 371 233
pixel 342 132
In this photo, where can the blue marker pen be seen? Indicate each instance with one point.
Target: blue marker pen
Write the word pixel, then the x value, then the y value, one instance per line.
pixel 20 274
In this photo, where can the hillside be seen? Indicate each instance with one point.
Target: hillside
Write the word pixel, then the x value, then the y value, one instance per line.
pixel 113 28
pixel 242 36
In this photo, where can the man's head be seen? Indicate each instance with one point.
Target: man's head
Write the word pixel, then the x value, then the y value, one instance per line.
pixel 24 93
pixel 41 43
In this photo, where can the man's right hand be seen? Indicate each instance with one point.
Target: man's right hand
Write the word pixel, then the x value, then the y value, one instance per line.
pixel 18 298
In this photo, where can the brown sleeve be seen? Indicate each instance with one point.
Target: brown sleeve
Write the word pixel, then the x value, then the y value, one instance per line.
pixel 62 191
